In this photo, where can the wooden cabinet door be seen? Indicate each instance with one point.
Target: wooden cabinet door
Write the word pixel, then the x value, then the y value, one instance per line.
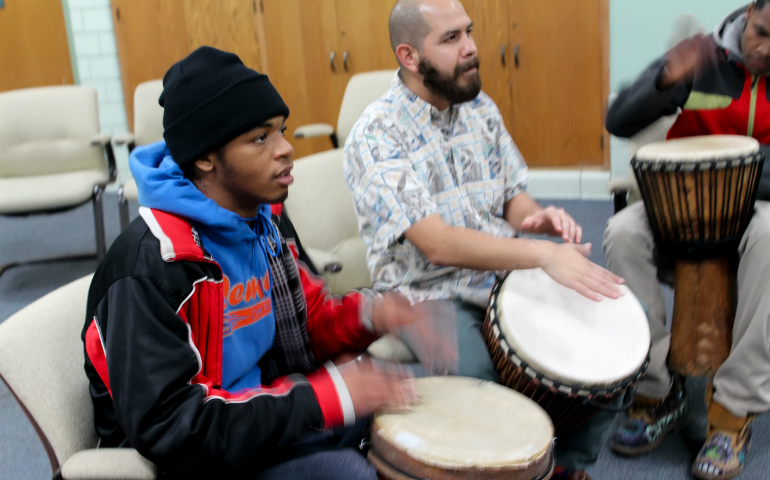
pixel 33 45
pixel 154 34
pixel 491 33
pixel 559 89
pixel 364 35
pixel 300 36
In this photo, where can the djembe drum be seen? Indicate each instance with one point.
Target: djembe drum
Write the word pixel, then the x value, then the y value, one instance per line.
pixel 464 429
pixel 699 195
pixel 571 355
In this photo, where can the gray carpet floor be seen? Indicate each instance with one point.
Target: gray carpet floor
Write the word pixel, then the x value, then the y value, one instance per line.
pixel 72 233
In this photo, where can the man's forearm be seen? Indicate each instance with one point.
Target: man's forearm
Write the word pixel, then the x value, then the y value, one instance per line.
pixel 463 247
pixel 519 208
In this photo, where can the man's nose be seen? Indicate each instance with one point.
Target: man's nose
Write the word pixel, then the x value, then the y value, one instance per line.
pixel 469 47
pixel 284 150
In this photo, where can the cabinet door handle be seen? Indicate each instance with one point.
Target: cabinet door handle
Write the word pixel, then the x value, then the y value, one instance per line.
pixel 345 61
pixel 331 61
pixel 516 56
pixel 502 55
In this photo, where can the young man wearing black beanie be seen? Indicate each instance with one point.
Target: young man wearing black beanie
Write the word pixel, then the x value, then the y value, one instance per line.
pixel 207 344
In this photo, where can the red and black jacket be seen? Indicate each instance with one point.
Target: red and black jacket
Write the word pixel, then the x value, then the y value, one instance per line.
pixel 153 351
pixel 722 97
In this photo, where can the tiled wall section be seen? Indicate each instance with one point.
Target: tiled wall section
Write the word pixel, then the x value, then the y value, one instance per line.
pixel 96 58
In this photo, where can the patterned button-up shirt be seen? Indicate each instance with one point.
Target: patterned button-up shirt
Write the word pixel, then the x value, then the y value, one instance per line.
pixel 405 160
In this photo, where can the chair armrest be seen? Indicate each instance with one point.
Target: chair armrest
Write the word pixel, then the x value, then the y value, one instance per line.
pixel 324 261
pixel 100 139
pixel 314 130
pixel 104 140
pixel 620 183
pixel 124 138
pixel 108 463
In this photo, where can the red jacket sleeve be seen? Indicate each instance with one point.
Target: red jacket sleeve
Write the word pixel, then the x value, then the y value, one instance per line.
pixel 333 322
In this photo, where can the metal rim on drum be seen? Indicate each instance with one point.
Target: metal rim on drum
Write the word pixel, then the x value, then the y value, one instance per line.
pixel 566 388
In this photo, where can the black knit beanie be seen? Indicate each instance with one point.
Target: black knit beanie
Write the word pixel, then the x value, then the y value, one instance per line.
pixel 211 97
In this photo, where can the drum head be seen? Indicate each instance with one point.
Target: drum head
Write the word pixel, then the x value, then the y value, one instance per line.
pixel 568 337
pixel 706 147
pixel 464 424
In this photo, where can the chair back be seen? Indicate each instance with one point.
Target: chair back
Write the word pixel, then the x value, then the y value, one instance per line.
pixel 48 130
pixel 362 90
pixel 148 114
pixel 41 361
pixel 321 209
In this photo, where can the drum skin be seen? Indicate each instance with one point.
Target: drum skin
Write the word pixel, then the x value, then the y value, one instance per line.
pixel 568 401
pixel 463 429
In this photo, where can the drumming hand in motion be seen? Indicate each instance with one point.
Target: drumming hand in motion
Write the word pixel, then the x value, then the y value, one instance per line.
pixel 554 222
pixel 682 60
pixel 375 386
pixel 568 265
pixel 429 326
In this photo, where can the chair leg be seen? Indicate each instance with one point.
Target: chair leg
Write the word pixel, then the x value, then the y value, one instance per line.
pixel 101 242
pixel 620 199
pixel 123 209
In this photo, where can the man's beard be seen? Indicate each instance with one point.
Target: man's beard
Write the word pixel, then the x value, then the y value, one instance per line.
pixel 448 87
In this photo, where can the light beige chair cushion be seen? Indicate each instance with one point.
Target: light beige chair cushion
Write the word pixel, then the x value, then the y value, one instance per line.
pixel 54 386
pixel 41 360
pixel 362 90
pixel 129 190
pixel 108 464
pixel 47 158
pixel 148 114
pixel 48 192
pixel 321 210
pixel 48 130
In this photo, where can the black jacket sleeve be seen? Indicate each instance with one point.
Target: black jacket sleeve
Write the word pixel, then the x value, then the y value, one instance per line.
pixel 173 421
pixel 641 104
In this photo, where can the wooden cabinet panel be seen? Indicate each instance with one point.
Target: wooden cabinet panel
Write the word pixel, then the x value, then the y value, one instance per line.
pixel 364 34
pixel 300 37
pixel 151 36
pixel 34 51
pixel 491 32
pixel 558 87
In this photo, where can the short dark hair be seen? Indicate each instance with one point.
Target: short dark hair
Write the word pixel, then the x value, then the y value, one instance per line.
pixel 760 4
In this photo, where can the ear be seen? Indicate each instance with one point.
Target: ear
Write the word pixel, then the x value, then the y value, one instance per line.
pixel 749 11
pixel 206 164
pixel 408 57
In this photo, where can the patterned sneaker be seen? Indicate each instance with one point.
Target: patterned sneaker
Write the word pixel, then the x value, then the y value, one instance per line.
pixel 727 442
pixel 649 421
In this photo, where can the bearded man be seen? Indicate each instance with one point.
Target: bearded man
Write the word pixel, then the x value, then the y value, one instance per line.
pixel 439 188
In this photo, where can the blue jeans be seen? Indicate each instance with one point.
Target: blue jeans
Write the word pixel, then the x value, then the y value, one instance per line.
pixel 329 455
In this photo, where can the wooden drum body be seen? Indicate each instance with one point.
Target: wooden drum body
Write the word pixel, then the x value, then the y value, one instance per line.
pixel 464 429
pixel 699 195
pixel 571 355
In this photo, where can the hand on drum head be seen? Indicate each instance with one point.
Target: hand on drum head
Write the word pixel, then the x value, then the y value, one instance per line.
pixel 433 338
pixel 554 222
pixel 567 264
pixel 684 58
pixel 375 385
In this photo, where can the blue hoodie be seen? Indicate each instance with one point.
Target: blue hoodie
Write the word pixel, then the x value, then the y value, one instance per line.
pixel 240 250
